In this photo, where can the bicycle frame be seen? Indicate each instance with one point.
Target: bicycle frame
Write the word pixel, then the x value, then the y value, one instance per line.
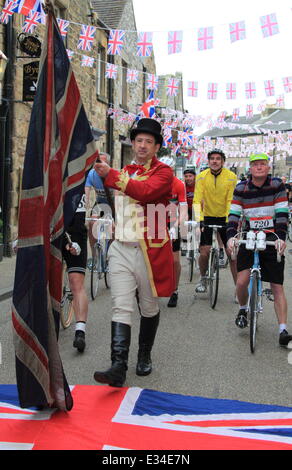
pixel 256 268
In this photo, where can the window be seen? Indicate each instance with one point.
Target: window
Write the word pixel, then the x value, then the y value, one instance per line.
pixel 100 72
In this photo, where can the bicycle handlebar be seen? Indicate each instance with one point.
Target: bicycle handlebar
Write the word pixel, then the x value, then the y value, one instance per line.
pixel 243 242
pixel 191 223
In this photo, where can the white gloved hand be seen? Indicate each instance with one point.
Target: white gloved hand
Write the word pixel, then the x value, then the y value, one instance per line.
pixel 75 248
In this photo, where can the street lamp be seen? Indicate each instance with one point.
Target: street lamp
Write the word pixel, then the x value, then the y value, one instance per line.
pixel 3 63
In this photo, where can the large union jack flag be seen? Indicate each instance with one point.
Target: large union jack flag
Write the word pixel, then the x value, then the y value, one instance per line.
pixel 60 150
pixel 86 38
pixel 141 419
pixel 144 45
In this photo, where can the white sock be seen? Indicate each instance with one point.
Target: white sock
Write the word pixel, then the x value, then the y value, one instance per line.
pixel 242 307
pixel 80 326
pixel 282 327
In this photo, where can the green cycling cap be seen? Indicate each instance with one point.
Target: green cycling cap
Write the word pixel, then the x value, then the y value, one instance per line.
pixel 258 156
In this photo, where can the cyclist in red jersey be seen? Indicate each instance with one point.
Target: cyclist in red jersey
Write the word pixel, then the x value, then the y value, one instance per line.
pixel 178 214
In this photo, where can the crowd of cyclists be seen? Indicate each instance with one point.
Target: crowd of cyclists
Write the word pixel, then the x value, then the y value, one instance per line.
pixel 142 269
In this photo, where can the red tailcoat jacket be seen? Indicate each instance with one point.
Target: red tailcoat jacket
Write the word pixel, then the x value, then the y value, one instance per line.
pixel 150 187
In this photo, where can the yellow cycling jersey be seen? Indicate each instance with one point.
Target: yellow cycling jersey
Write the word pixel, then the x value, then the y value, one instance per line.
pixel 213 194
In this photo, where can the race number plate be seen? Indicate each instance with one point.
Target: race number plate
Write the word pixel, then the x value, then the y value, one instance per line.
pixel 261 223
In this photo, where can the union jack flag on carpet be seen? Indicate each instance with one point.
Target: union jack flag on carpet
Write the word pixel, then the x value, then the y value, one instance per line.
pixel 104 418
pixel 59 152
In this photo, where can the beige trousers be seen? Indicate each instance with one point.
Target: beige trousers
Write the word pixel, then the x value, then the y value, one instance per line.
pixel 128 272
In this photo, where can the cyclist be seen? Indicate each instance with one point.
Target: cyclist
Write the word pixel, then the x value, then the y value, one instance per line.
pixel 101 206
pixel 190 182
pixel 261 196
pixel 177 216
pixel 212 199
pixel 76 259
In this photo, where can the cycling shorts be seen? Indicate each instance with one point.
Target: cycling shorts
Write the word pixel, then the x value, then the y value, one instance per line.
pixel 206 234
pixel 78 234
pixel 271 270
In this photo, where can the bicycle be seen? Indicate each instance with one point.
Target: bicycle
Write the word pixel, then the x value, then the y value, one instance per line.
pixel 66 306
pixel 99 263
pixel 193 244
pixel 255 287
pixel 212 276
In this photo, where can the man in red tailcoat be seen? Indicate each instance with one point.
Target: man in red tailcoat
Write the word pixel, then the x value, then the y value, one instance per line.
pixel 141 259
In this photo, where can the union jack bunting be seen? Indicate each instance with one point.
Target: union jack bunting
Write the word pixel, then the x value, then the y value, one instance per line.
pixel 152 81
pixel 132 76
pixel 60 151
pixel 7 11
pixel 250 90
pixel 63 26
pixel 193 89
pixel 269 88
pixel 237 31
pixel 235 114
pixel 280 101
pixel 115 42
pixel 87 61
pixel 175 42
pixel 212 91
pixel 31 22
pixel 269 25
pixel 111 71
pixel 222 116
pixel 172 87
pixel 205 38
pixel 249 111
pixel 231 91
pixel 70 54
pixel 148 108
pixel 25 6
pixel 287 83
pixel 144 45
pixel 86 38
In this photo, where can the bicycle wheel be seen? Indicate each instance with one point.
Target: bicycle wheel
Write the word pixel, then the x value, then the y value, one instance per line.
pixel 67 310
pixel 191 258
pixel 253 311
pixel 95 274
pixel 214 278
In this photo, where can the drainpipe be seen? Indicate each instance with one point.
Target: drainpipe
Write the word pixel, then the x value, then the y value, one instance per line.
pixel 6 110
pixel 110 122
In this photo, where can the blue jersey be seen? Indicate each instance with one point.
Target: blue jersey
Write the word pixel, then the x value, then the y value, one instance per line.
pixel 94 181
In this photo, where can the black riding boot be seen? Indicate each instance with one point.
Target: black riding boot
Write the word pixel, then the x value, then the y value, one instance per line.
pixel 148 328
pixel 116 374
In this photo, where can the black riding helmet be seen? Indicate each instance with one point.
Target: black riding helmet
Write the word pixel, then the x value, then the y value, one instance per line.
pixel 220 152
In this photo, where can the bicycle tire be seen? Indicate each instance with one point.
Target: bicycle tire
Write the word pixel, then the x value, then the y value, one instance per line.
pixel 106 265
pixel 191 258
pixel 253 311
pixel 289 231
pixel 67 309
pixel 214 278
pixel 95 275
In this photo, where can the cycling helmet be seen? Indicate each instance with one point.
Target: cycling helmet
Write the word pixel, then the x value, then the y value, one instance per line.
pixel 168 161
pixel 220 152
pixel 190 170
pixel 258 156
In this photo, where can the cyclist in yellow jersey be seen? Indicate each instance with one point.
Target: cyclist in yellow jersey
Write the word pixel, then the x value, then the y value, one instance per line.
pixel 212 199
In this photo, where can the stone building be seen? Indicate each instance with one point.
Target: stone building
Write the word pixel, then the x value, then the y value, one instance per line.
pixel 98 93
